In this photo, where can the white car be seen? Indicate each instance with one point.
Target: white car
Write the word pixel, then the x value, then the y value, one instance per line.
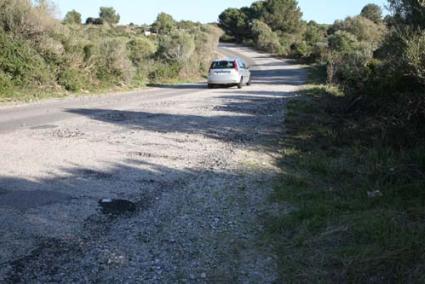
pixel 229 72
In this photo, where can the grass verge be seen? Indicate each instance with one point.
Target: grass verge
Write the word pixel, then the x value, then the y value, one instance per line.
pixel 359 205
pixel 32 95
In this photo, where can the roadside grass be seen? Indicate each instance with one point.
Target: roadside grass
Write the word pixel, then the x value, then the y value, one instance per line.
pixel 15 95
pixel 12 96
pixel 32 95
pixel 359 205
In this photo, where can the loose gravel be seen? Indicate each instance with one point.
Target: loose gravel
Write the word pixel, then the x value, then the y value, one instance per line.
pixel 186 181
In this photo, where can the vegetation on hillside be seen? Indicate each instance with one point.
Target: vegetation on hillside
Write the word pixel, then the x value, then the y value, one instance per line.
pixel 378 62
pixel 40 55
pixel 353 158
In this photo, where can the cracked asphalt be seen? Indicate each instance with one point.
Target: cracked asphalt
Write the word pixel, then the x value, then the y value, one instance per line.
pixel 196 165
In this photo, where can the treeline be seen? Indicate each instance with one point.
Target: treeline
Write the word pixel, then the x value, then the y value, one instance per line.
pixel 378 62
pixel 272 25
pixel 40 54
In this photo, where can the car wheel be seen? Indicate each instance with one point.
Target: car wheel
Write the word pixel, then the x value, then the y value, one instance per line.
pixel 249 82
pixel 240 83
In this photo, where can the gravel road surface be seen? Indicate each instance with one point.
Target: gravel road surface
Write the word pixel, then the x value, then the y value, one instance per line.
pixel 162 185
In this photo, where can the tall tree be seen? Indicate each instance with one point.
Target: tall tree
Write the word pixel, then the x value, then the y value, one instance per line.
pixel 109 15
pixel 409 12
pixel 164 24
pixel 372 12
pixel 72 17
pixel 235 23
pixel 254 12
pixel 282 15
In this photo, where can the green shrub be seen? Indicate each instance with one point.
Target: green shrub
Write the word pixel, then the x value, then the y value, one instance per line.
pixel 72 18
pixel 139 49
pixel 415 57
pixel 88 51
pixel 23 18
pixel 72 80
pixel 301 50
pixel 342 42
pixel 354 70
pixel 164 71
pixel 177 46
pixel 363 28
pixel 109 15
pixel 372 12
pixel 112 62
pixel 312 45
pixel 5 83
pixel 50 49
pixel 206 41
pixel 164 24
pixel 314 33
pixel 22 63
pixel 265 38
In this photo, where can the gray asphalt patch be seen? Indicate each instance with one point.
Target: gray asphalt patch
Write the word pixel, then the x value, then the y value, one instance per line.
pixel 24 200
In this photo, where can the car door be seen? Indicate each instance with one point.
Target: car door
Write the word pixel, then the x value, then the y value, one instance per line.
pixel 245 71
pixel 248 73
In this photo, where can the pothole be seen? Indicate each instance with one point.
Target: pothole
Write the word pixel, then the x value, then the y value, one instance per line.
pixel 117 206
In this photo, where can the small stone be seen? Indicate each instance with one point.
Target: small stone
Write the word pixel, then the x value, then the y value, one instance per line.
pixel 203 275
pixel 375 194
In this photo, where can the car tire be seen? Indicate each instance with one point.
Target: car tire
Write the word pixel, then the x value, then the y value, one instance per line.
pixel 240 85
pixel 249 82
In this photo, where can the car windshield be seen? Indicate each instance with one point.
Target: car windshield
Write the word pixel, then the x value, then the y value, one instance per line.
pixel 225 64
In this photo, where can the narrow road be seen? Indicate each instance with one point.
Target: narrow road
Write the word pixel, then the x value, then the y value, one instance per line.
pixel 192 169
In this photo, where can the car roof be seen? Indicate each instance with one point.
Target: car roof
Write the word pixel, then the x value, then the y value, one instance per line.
pixel 232 59
pixel 228 59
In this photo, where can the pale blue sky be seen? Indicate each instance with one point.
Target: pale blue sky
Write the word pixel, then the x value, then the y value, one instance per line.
pixel 145 11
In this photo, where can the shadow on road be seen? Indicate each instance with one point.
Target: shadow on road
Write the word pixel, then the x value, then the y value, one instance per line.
pixel 38 233
pixel 249 118
pixel 232 123
pixel 200 86
pixel 290 77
